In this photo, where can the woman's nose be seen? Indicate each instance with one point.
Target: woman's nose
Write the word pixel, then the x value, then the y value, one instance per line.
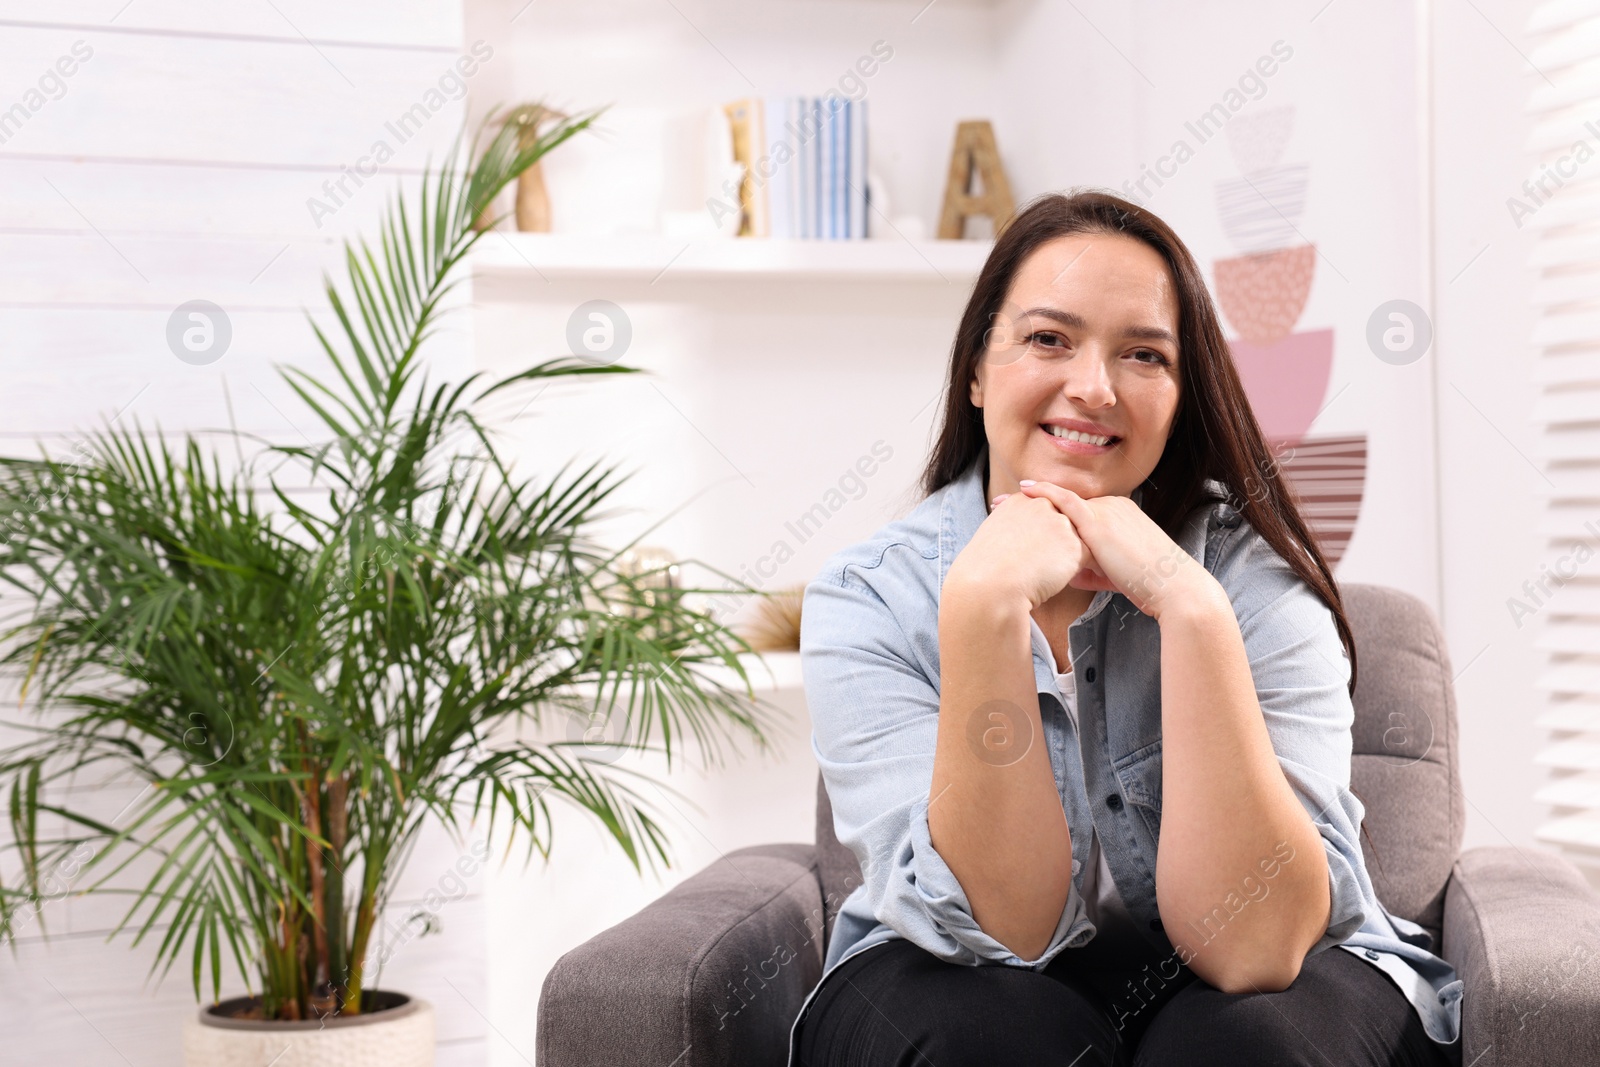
pixel 1085 378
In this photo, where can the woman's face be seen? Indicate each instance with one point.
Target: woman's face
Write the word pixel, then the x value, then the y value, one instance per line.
pixel 1087 340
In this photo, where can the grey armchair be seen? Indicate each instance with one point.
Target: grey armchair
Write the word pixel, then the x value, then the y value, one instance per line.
pixel 714 972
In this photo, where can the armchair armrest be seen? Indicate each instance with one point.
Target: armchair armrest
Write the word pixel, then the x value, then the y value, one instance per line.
pixel 1522 928
pixel 711 974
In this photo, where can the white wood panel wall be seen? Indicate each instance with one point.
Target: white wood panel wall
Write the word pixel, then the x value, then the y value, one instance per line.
pixel 174 163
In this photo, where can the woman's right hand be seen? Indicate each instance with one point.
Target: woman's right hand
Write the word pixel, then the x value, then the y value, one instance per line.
pixel 1026 548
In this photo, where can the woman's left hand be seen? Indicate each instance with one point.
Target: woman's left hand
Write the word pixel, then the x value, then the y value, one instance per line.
pixel 1136 556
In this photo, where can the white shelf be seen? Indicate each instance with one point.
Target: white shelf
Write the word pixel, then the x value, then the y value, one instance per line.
pixel 655 258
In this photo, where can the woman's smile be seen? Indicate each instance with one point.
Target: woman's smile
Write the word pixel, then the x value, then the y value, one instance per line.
pixel 1078 438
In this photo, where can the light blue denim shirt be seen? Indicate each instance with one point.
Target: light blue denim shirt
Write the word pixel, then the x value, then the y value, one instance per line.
pixel 869 644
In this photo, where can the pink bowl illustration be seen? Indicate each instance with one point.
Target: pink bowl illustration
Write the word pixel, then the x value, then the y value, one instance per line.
pixel 1263 294
pixel 1286 381
pixel 1329 477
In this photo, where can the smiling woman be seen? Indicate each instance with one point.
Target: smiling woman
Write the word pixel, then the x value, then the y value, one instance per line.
pixel 1061 262
pixel 1095 452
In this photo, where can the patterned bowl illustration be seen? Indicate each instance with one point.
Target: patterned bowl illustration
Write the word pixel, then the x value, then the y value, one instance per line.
pixel 1257 141
pixel 1329 477
pixel 1262 210
pixel 1286 381
pixel 1263 294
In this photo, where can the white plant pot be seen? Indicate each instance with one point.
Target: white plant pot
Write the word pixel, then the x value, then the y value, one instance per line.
pixel 396 1037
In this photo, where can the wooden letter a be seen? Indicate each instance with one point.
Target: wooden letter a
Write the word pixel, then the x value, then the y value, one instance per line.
pixel 975 154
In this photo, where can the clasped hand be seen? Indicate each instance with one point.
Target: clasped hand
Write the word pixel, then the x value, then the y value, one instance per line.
pixel 1045 538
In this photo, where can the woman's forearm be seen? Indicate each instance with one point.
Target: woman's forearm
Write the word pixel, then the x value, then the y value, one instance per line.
pixel 994 813
pixel 1226 807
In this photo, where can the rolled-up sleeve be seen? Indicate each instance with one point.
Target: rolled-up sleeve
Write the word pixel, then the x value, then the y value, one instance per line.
pixel 875 722
pixel 1301 678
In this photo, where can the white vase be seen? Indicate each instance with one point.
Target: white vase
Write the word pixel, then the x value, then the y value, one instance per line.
pixel 396 1037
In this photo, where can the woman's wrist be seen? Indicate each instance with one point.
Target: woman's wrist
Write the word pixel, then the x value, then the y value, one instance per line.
pixel 1198 595
pixel 980 600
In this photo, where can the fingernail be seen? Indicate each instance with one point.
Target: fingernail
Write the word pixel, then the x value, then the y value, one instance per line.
pixel 1026 481
pixel 996 500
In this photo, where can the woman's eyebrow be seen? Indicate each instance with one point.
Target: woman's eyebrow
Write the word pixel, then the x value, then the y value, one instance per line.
pixel 1068 318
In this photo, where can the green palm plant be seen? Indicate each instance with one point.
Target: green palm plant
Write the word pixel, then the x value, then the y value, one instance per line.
pixel 300 684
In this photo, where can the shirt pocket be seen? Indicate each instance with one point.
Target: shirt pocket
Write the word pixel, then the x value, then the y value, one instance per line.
pixel 1139 775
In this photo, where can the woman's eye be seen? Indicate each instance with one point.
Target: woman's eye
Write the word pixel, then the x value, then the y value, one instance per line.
pixel 1159 360
pixel 1047 339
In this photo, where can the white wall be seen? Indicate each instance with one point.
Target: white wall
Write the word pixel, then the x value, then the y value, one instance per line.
pixel 1490 492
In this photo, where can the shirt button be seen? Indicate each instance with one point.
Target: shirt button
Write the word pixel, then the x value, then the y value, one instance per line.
pixel 1114 802
pixel 1155 924
pixel 1088 675
pixel 1371 955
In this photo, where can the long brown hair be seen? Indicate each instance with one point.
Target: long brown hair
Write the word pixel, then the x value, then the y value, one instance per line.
pixel 1215 433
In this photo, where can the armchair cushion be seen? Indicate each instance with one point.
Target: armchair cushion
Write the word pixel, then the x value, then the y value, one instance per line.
pixel 1522 928
pixel 713 973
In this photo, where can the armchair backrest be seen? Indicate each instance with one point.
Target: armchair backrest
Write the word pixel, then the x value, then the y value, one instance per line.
pixel 1404 764
pixel 1405 769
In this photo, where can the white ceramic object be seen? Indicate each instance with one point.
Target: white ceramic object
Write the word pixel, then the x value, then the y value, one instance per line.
pixel 398 1037
pixel 879 207
pixel 909 227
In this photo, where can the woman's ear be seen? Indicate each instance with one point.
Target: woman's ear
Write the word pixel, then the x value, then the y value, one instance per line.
pixel 975 390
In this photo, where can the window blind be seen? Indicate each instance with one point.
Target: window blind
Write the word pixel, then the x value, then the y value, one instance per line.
pixel 1560 202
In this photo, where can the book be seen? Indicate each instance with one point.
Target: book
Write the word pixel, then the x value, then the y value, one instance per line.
pixel 816 227
pixel 835 202
pixel 860 202
pixel 780 168
pixel 805 167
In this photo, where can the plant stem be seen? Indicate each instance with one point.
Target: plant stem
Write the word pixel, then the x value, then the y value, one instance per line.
pixel 338 822
pixel 319 919
pixel 358 953
pixel 289 1007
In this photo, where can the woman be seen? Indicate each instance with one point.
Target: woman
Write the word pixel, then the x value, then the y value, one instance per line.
pixel 1084 715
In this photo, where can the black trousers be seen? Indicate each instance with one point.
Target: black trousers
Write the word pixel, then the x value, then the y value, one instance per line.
pixel 896 1005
